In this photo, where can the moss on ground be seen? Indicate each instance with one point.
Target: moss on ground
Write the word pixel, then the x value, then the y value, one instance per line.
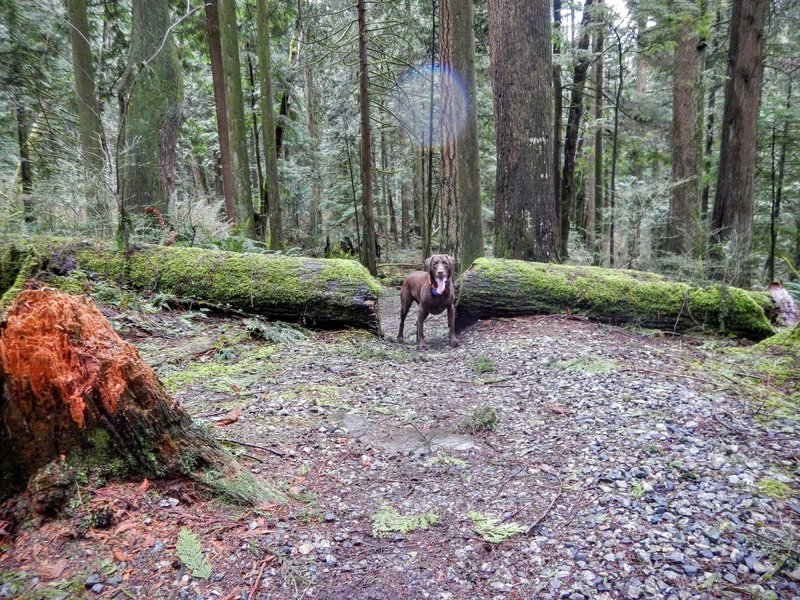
pixel 513 287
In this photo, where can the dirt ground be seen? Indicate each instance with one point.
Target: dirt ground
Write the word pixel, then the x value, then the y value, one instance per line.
pixel 546 457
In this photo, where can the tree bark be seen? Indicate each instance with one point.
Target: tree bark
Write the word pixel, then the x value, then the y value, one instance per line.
pixel 77 399
pixel 558 102
pixel 462 212
pixel 581 68
pixel 733 202
pixel 220 108
pixel 90 128
pixel 151 100
pixel 241 189
pixel 683 222
pixel 526 223
pixel 368 236
pixel 508 288
pixel 268 125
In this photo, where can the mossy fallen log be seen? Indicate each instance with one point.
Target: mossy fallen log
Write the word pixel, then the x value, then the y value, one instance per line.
pixel 329 293
pixel 78 405
pixel 506 288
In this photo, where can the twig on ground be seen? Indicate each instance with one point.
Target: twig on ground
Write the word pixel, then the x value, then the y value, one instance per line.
pixel 249 445
pixel 257 582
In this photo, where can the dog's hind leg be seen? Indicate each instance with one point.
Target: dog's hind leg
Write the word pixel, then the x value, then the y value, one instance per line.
pixel 405 306
pixel 451 322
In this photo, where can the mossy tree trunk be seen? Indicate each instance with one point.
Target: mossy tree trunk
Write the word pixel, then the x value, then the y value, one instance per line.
pixel 507 288
pixel 150 104
pixel 316 292
pixel 76 400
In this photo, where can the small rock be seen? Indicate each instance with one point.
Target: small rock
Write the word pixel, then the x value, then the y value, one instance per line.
pixel 712 533
pixel 306 548
pixel 330 517
pixel 5 590
pixel 97 588
pixel 92 580
pixel 115 579
pixel 689 569
pixel 731 578
pixel 330 560
pixel 633 592
pixel 794 575
pixel 157 548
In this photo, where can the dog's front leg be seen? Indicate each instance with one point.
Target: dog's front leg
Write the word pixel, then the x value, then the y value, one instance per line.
pixel 451 323
pixel 422 314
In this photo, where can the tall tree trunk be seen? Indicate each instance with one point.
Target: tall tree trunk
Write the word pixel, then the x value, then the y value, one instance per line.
pixel 220 107
pixel 368 237
pixel 386 183
pixel 405 209
pixel 151 110
pixel 24 120
pixel 687 95
pixel 558 102
pixel 234 112
pixel 733 203
pixel 521 62
pixel 261 226
pixel 89 126
pixel 312 123
pixel 581 66
pixel 268 125
pixel 711 117
pixel 596 219
pixel 778 175
pixel 612 201
pixel 461 198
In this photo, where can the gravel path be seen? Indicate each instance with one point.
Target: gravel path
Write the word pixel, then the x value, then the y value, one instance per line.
pixel 635 467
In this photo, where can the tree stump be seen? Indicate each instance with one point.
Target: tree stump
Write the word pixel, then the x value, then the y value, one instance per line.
pixel 77 399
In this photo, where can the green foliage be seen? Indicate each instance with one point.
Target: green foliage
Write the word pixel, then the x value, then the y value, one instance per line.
pixel 484 364
pixel 443 459
pixel 482 418
pixel 387 521
pixel 191 554
pixel 772 488
pixel 492 530
pixel 275 332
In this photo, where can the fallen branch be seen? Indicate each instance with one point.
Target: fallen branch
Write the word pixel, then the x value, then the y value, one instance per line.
pixel 257 582
pixel 249 445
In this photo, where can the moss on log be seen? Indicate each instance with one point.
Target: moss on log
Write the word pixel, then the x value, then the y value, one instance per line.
pixel 77 403
pixel 317 292
pixel 788 340
pixel 505 288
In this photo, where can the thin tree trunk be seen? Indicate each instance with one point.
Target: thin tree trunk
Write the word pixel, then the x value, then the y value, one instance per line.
pixel 220 108
pixel 558 102
pixel 687 74
pixel 268 125
pixel 581 66
pixel 90 128
pixel 312 123
pixel 777 189
pixel 237 128
pixel 733 203
pixel 262 190
pixel 368 246
pixel 711 116
pixel 615 150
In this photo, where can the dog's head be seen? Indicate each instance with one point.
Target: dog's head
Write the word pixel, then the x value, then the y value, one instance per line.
pixel 440 269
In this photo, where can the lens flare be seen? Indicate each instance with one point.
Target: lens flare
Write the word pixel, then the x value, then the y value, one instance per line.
pixel 426 99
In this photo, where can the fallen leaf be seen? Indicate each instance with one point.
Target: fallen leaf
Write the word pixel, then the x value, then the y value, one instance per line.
pixel 125 526
pixel 143 487
pixel 54 570
pixel 230 417
pixel 121 555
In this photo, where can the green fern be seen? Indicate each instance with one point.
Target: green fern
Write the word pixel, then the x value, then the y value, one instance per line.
pixel 492 530
pixel 387 520
pixel 190 552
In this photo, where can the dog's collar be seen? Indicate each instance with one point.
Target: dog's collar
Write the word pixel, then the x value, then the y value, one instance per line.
pixel 434 287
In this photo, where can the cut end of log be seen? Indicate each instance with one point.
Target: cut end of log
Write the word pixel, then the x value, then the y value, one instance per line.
pixel 60 348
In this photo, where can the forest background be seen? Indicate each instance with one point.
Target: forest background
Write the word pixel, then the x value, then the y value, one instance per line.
pixel 656 135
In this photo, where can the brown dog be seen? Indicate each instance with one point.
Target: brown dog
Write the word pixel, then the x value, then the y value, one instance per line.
pixel 433 290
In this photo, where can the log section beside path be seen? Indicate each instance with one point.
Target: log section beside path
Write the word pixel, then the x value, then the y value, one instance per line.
pixel 508 288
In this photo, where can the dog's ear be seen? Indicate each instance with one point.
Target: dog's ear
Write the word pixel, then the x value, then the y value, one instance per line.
pixel 428 263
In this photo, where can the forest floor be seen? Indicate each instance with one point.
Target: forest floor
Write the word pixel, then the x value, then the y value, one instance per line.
pixel 621 464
